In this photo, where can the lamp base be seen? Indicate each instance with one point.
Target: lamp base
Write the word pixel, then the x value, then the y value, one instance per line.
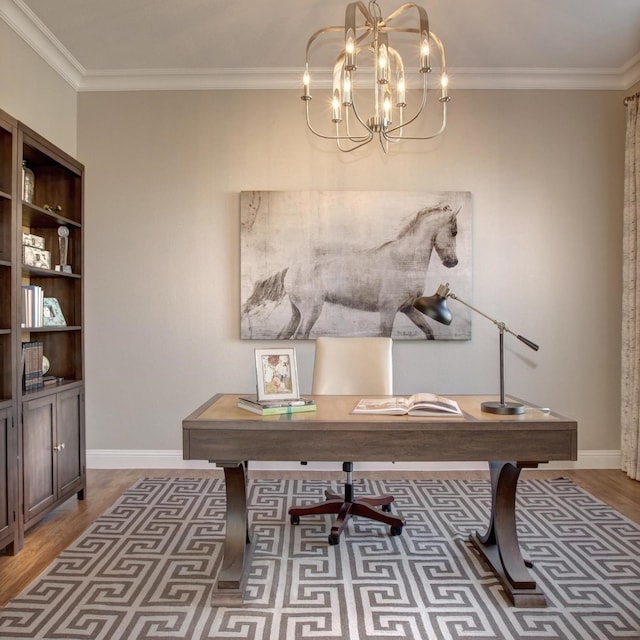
pixel 503 408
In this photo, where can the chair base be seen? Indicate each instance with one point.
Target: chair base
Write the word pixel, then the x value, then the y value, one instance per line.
pixel 348 506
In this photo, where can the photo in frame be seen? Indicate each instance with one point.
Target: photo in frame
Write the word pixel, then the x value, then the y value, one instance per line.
pixel 52 313
pixel 276 374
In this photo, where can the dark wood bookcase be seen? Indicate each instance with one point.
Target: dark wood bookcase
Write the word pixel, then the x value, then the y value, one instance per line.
pixel 9 476
pixel 42 429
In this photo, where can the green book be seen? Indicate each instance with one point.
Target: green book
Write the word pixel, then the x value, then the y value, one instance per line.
pixel 271 409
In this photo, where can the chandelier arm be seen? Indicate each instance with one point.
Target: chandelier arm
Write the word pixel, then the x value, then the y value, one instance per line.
pixel 357 115
pixel 356 138
pixel 319 33
pixel 364 10
pixel 423 104
pixel 443 126
pixel 357 146
pixel 405 7
pixel 443 61
pixel 332 137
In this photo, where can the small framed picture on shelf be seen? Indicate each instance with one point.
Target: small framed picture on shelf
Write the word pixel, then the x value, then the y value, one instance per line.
pixel 52 313
pixel 276 374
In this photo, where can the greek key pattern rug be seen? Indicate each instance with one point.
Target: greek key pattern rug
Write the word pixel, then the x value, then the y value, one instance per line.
pixel 146 569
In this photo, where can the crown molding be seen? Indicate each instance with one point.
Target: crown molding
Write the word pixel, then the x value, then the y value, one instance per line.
pixel 35 33
pixel 264 78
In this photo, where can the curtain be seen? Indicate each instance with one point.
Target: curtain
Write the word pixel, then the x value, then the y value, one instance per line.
pixel 630 391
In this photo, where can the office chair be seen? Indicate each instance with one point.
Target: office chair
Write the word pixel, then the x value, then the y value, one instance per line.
pixel 352 366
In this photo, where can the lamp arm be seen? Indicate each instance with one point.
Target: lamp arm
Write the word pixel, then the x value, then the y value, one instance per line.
pixel 501 325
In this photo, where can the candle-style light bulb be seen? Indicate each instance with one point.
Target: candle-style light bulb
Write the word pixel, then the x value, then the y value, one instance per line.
pixel 444 82
pixel 383 65
pixel 401 99
pixel 386 109
pixel 335 106
pixel 424 56
pixel 349 53
pixel 305 82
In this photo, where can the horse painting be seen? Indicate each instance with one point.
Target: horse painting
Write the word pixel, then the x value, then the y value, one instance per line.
pixel 385 278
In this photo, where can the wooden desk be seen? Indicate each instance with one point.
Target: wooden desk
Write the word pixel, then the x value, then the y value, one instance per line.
pixel 224 434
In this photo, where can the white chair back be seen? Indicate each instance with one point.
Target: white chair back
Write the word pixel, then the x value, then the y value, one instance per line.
pixel 353 366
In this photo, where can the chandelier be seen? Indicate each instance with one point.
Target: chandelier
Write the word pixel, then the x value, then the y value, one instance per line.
pixel 381 84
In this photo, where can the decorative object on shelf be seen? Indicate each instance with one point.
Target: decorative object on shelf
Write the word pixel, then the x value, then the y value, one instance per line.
pixel 381 40
pixel 436 307
pixel 52 313
pixel 33 257
pixel 56 209
pixel 276 374
pixel 28 183
pixel 31 240
pixel 46 365
pixel 63 244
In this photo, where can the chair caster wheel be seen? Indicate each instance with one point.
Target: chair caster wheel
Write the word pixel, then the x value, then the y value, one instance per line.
pixel 395 531
pixel 386 507
pixel 295 519
pixel 333 539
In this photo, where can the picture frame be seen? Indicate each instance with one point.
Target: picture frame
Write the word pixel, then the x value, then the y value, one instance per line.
pixel 311 287
pixel 276 374
pixel 52 315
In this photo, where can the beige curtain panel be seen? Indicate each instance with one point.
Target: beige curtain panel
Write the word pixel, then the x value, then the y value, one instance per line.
pixel 630 392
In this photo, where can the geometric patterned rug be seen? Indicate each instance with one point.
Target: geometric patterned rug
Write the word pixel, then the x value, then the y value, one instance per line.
pixel 145 569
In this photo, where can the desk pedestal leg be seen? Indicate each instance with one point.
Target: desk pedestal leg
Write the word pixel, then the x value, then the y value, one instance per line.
pixel 236 552
pixel 499 545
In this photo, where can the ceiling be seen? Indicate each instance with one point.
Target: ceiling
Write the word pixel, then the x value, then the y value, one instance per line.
pixel 154 44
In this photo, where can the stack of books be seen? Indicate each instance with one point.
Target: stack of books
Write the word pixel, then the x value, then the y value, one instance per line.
pixel 32 359
pixel 276 407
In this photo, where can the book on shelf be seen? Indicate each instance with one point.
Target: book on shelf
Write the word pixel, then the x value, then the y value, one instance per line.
pixel 419 404
pixel 32 359
pixel 51 381
pixel 272 408
pixel 32 306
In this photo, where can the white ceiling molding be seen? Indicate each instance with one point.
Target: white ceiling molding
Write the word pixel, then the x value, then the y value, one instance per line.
pixel 227 79
pixel 31 29
pixel 190 79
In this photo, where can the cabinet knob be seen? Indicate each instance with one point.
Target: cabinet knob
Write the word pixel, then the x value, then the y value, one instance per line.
pixel 59 447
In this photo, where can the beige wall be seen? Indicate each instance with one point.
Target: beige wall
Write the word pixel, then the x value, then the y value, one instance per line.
pixel 162 269
pixel 31 91
pixel 164 171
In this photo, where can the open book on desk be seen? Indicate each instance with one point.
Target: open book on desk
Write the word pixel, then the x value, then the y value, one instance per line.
pixel 419 404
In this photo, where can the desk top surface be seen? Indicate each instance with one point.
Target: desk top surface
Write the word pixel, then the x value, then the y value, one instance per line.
pixel 220 430
pixel 222 412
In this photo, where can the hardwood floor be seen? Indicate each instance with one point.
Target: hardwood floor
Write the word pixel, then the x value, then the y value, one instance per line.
pixel 61 527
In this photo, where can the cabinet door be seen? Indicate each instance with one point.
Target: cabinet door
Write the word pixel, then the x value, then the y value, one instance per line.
pixel 69 441
pixel 38 440
pixel 6 477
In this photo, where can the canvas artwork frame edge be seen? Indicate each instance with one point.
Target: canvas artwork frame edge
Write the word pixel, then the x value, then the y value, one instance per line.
pixel 338 223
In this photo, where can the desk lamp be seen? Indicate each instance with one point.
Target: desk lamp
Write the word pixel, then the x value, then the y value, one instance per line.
pixel 436 308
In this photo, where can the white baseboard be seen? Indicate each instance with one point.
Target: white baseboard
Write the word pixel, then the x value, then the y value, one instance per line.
pixel 172 459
